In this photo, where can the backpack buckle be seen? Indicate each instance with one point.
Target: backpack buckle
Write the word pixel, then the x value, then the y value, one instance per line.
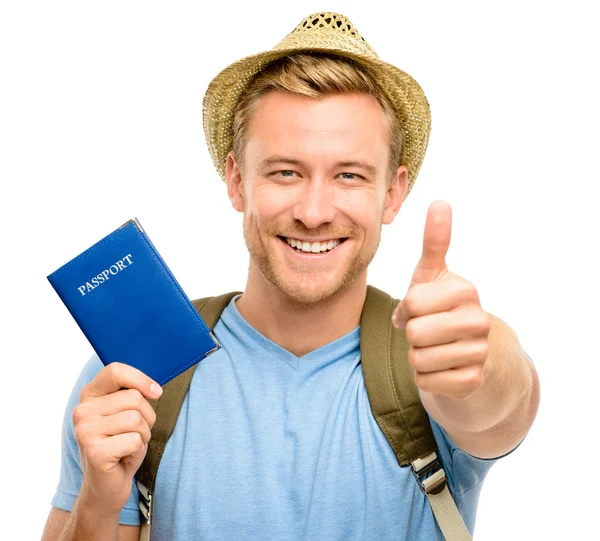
pixel 430 474
pixel 145 504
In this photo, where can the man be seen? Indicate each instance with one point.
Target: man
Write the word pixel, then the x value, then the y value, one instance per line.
pixel 276 438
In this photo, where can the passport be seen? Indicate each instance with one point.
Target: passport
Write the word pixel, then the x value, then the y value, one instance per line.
pixel 131 308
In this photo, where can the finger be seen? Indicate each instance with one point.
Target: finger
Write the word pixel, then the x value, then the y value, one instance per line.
pixel 114 448
pixel 116 376
pixel 136 456
pixel 448 356
pixel 436 241
pixel 447 327
pixel 437 296
pixel 122 423
pixel 126 399
pixel 100 428
pixel 458 382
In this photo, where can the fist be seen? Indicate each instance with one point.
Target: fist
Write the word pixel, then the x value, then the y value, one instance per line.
pixel 446 327
pixel 112 426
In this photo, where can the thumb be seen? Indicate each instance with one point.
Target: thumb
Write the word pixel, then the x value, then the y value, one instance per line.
pixel 436 241
pixel 432 265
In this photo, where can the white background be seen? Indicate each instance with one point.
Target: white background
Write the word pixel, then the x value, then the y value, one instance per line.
pixel 100 121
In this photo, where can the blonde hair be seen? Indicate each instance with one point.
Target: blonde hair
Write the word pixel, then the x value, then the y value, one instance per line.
pixel 313 74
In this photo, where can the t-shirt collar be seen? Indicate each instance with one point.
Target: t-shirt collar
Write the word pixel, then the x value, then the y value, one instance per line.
pixel 325 354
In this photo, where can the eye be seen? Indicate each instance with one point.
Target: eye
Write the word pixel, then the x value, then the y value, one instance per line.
pixel 353 175
pixel 286 173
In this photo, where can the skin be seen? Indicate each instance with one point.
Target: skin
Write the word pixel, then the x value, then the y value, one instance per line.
pixel 320 298
pixel 472 374
pixel 112 426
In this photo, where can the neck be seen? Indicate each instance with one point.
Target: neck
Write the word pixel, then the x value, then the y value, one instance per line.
pixel 300 327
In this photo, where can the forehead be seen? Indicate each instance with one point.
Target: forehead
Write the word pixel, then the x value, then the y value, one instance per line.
pixel 334 127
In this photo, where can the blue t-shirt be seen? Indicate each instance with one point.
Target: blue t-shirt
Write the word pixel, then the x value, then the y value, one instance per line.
pixel 270 446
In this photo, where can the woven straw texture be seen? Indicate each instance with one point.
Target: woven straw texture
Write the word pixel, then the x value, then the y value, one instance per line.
pixel 323 32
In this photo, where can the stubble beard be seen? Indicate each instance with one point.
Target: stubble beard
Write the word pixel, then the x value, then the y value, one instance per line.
pixel 303 294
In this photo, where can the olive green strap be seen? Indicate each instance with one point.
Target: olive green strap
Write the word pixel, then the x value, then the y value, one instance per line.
pixel 390 382
pixel 167 409
pixel 397 408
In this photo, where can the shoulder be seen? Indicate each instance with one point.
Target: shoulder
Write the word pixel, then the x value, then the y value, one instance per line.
pixel 88 372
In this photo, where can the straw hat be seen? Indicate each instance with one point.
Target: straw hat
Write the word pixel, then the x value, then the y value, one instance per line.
pixel 335 34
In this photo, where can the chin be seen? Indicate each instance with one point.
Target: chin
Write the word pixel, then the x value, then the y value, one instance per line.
pixel 310 289
pixel 306 295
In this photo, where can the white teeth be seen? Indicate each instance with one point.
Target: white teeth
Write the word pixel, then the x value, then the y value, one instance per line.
pixel 312 247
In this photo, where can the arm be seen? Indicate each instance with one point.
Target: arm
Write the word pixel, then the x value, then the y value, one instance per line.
pixel 80 525
pixel 494 419
pixel 473 376
pixel 105 438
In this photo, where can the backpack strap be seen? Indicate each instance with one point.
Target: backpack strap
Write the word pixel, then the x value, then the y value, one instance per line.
pixel 397 408
pixel 167 409
pixel 389 380
pixel 393 397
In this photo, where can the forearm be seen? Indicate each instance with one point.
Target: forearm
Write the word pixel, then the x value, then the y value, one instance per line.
pixel 87 524
pixel 499 413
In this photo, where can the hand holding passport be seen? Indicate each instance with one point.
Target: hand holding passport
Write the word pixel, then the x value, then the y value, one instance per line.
pixel 130 306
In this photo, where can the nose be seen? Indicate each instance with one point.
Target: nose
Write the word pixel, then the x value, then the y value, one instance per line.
pixel 315 205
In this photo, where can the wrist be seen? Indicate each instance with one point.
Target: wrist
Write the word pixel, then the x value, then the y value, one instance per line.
pixel 97 508
pixel 89 523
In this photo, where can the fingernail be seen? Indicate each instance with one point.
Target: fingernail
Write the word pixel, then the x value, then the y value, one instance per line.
pixel 396 321
pixel 156 389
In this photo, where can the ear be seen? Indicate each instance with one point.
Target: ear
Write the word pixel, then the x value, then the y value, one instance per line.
pixel 235 187
pixel 395 195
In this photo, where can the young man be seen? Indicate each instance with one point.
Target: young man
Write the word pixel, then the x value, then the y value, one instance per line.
pixel 276 438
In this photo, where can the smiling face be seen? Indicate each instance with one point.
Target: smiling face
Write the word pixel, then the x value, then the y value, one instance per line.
pixel 314 191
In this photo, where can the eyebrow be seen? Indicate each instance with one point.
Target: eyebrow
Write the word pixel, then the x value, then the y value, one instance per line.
pixel 371 169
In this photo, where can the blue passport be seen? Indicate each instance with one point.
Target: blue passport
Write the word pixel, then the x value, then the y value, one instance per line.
pixel 130 306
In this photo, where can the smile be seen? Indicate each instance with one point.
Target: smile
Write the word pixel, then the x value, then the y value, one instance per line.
pixel 312 247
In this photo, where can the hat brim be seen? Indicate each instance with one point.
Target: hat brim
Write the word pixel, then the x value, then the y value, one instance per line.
pixel 403 92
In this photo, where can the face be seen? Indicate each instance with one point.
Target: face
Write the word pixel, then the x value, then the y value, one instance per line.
pixel 314 191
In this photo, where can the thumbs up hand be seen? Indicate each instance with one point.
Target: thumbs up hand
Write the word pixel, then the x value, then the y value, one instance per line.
pixel 445 325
